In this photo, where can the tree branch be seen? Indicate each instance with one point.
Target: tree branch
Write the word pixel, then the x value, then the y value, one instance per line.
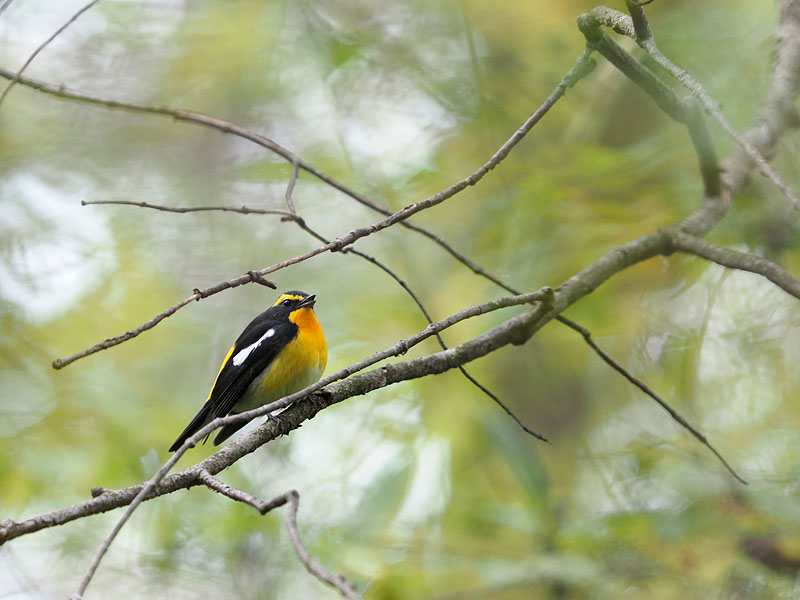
pixel 312 566
pixel 646 389
pixel 713 107
pixel 292 498
pixel 732 259
pixel 223 488
pixel 188 209
pixel 17 76
pixel 683 112
pixel 290 189
pixel 637 28
pixel 4 6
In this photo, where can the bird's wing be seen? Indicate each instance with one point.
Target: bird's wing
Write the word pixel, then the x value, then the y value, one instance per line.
pixel 253 351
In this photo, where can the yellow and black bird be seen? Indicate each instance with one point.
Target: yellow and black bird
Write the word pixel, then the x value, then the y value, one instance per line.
pixel 280 352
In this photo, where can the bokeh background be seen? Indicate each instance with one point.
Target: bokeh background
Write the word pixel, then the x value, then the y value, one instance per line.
pixel 425 489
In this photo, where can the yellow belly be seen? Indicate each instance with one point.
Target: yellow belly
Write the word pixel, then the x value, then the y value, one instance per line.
pixel 299 365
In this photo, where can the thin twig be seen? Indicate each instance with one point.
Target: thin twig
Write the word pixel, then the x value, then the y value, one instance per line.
pixel 682 111
pixel 197 294
pixel 733 259
pixel 312 566
pixel 147 488
pixel 713 108
pixel 223 488
pixel 5 5
pixel 642 386
pixel 18 74
pixel 292 498
pixel 582 66
pixel 581 69
pixel 175 209
pixel 643 36
pixel 290 188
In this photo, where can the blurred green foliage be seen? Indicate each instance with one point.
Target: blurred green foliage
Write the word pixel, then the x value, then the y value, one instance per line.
pixel 426 489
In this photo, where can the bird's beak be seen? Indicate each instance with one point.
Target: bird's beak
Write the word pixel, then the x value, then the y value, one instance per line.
pixel 308 302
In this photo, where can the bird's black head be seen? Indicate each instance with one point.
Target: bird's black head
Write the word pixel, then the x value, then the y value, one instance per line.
pixel 294 300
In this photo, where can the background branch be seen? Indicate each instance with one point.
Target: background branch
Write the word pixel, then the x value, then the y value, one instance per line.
pixel 682 112
pixel 646 389
pixel 4 6
pixel 646 40
pixel 583 68
pixel 620 23
pixel 292 498
pixel 17 76
pixel 245 210
pixel 736 260
pixel 312 566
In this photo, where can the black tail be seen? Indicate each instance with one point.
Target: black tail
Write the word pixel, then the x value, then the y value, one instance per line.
pixel 200 420
pixel 227 431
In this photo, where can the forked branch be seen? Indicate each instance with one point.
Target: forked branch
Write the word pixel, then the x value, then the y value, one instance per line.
pixel 292 499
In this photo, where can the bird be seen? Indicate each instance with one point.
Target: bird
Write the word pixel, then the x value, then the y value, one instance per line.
pixel 281 351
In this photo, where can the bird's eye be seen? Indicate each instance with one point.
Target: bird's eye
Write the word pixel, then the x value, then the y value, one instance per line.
pixel 286 302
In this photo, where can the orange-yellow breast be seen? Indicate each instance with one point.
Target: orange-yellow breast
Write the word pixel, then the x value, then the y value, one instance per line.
pixel 298 365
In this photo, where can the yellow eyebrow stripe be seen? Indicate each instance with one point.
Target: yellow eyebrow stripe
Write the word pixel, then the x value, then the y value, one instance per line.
pixel 287 297
pixel 224 362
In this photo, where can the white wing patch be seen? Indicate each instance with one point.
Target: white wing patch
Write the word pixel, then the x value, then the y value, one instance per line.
pixel 242 355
